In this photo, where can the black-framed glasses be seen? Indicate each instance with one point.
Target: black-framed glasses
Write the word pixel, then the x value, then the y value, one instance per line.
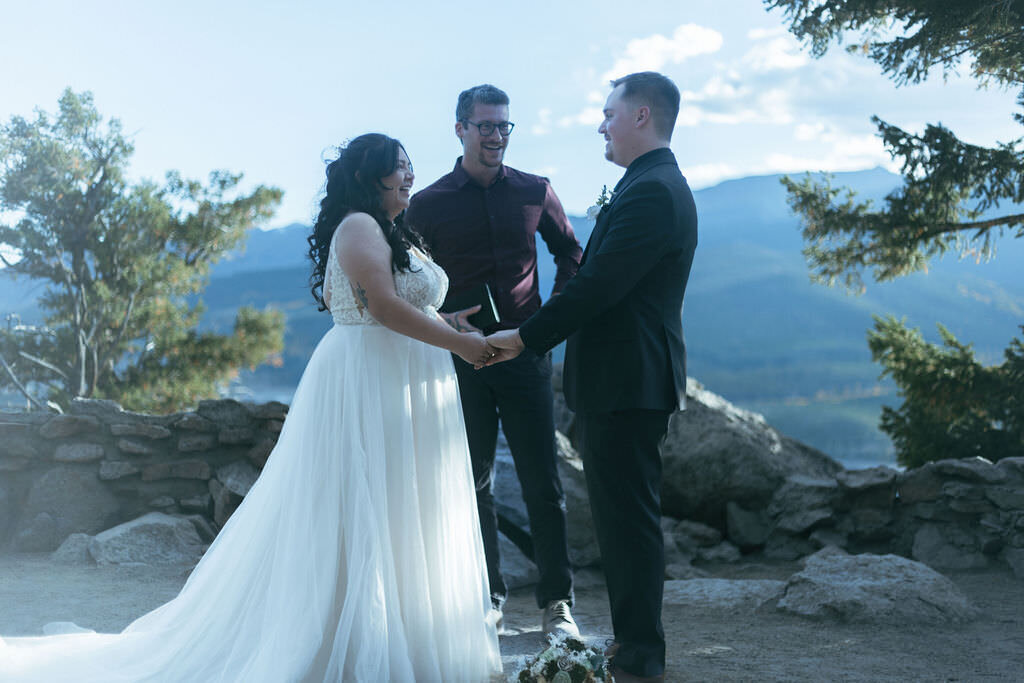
pixel 487 128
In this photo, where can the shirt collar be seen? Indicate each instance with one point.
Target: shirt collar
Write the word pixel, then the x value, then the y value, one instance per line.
pixel 661 155
pixel 461 177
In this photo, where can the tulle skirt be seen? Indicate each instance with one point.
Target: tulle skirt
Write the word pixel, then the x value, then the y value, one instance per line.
pixel 356 556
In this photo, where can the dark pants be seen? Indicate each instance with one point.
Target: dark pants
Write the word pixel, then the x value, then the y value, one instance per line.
pixel 519 393
pixel 622 462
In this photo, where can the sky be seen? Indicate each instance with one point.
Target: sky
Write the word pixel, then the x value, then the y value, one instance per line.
pixel 269 89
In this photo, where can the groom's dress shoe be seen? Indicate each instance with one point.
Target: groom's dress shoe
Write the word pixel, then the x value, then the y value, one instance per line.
pixel 612 649
pixel 620 676
pixel 558 619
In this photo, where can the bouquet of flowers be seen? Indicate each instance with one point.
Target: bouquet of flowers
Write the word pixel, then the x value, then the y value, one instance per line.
pixel 566 660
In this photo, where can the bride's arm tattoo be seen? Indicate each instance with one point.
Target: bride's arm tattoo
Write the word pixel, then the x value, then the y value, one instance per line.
pixel 361 295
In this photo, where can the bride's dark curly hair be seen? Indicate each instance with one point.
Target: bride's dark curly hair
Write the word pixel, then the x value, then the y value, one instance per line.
pixel 353 184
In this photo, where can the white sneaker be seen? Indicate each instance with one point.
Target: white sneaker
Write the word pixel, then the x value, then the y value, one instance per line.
pixel 558 619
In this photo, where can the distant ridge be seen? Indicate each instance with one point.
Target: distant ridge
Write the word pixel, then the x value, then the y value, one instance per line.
pixel 757 330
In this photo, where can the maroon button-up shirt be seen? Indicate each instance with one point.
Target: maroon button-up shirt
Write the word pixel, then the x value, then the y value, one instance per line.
pixel 488 235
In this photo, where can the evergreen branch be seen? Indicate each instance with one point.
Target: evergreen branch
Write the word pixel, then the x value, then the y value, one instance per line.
pixel 980 226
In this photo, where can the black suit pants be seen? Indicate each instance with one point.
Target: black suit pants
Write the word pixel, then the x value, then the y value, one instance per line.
pixel 622 462
pixel 519 393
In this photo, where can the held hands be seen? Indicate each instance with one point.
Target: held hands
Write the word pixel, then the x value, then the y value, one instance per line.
pixel 506 345
pixel 474 349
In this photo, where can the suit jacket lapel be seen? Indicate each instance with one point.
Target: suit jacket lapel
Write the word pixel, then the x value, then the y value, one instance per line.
pixel 631 176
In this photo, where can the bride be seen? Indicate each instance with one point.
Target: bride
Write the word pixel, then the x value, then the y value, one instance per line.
pixel 356 556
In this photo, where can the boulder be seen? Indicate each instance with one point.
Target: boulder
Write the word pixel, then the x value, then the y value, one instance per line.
pixel 6 509
pixel 781 546
pixel 802 503
pixel 746 529
pixel 271 410
pixel 948 546
pixel 238 477
pixel 194 423
pixel 154 538
pixel 150 431
pixel 975 469
pixel 191 443
pixel 116 469
pixel 235 436
pixel 74 550
pixel 692 534
pixel 874 487
pixel 508 497
pixel 75 499
pixel 716 453
pixel 36 534
pixel 734 596
pixel 79 452
pixel 516 568
pixel 723 552
pixel 1013 468
pixel 1015 558
pixel 98 407
pixel 885 589
pixel 225 412
pixel 63 426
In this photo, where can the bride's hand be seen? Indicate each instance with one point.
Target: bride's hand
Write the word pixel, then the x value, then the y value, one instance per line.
pixel 474 349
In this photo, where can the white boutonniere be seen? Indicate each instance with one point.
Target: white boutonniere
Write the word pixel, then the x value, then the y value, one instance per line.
pixel 602 201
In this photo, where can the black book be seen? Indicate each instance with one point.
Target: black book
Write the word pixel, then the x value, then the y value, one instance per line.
pixel 486 317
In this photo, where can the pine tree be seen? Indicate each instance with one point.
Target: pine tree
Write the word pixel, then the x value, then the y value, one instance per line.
pixel 955 197
pixel 121 261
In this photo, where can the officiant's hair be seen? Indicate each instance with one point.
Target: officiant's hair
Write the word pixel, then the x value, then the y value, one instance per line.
pixel 656 91
pixel 353 184
pixel 478 94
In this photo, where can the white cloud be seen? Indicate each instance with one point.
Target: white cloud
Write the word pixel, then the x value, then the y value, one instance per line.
pixel 723 103
pixel 762 33
pixel 591 116
pixel 654 52
pixel 808 131
pixel 704 175
pixel 543 124
pixel 781 53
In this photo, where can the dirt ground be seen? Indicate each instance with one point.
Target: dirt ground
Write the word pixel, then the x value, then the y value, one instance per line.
pixel 703 645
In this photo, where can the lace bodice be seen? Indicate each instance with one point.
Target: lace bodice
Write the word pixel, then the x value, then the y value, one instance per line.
pixel 425 288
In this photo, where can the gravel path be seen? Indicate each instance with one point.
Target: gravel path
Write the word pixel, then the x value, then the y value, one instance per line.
pixel 704 644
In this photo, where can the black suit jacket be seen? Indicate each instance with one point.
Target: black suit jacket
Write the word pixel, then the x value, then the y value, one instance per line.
pixel 622 312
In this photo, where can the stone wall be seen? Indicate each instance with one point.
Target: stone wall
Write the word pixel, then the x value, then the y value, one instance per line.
pixel 99 466
pixel 949 514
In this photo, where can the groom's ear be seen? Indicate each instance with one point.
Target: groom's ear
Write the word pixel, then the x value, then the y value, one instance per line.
pixel 460 130
pixel 643 114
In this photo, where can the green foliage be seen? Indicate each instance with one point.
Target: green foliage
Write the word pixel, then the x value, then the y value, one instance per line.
pixel 121 261
pixel 953 406
pixel 949 201
pixel 950 187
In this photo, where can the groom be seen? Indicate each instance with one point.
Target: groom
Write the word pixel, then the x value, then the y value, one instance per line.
pixel 625 365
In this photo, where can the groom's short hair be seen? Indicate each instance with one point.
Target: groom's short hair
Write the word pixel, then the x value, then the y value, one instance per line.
pixel 478 94
pixel 657 92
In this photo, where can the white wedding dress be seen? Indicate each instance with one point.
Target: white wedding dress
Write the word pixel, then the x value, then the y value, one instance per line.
pixel 356 556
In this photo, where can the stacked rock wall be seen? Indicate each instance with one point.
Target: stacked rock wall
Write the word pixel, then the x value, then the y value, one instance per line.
pixel 99 465
pixel 949 514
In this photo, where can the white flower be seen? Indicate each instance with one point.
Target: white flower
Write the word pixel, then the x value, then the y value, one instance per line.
pixel 593 211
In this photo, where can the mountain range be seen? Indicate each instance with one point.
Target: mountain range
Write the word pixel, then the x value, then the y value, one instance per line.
pixel 758 331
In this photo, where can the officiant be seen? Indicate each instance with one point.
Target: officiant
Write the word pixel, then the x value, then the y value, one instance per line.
pixel 480 223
